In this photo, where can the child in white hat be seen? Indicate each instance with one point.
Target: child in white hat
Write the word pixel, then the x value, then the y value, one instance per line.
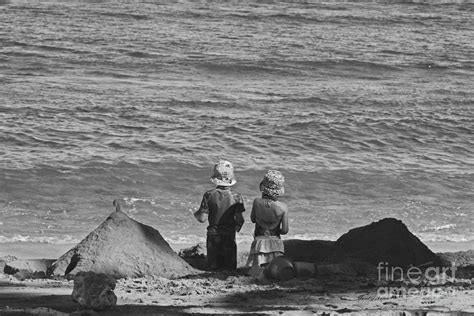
pixel 223 209
pixel 271 220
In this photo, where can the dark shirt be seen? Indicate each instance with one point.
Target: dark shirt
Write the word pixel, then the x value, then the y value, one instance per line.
pixel 221 204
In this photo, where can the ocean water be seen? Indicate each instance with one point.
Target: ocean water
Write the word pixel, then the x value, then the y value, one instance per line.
pixel 366 107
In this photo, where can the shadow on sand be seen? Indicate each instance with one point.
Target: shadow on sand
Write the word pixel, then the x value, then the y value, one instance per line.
pixel 49 305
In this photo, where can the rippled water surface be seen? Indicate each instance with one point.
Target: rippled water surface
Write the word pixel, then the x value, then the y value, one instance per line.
pixel 366 107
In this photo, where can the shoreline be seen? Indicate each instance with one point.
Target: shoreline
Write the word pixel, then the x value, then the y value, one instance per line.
pixel 450 246
pixel 42 250
pixel 33 250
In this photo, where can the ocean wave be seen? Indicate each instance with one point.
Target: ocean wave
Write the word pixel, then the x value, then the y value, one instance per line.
pixel 58 240
pixel 185 240
pixel 106 73
pixel 291 17
pixel 177 242
pixel 243 67
pixel 425 237
pixel 451 237
pixel 140 54
pixel 191 239
pixel 440 227
pixel 30 54
pixel 121 15
pixel 313 236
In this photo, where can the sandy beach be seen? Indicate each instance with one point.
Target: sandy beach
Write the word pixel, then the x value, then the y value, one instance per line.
pixel 229 294
pixel 233 293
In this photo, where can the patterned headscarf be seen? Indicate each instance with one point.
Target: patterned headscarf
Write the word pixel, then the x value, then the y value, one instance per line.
pixel 272 184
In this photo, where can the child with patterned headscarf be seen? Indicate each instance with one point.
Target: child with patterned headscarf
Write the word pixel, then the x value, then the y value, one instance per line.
pixel 223 209
pixel 271 220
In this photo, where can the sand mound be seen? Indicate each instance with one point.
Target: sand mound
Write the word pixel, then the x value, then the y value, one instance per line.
pixel 387 240
pixel 122 247
pixel 316 251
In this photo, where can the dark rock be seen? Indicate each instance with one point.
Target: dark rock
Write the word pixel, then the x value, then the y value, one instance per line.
pixel 122 247
pixel 195 256
pixel 197 251
pixel 386 241
pixel 25 274
pixel 27 268
pixel 94 290
pixel 4 260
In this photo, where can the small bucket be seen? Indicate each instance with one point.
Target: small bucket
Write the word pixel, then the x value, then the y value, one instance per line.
pixel 281 268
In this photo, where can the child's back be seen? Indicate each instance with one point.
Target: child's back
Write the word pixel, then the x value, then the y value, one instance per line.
pixel 223 204
pixel 271 220
pixel 267 216
pixel 223 209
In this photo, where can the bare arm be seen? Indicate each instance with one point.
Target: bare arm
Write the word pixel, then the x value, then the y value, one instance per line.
pixel 239 209
pixel 252 213
pixel 201 214
pixel 284 222
pixel 239 221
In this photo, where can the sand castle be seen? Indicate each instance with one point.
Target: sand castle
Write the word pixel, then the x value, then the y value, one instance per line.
pixel 122 247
